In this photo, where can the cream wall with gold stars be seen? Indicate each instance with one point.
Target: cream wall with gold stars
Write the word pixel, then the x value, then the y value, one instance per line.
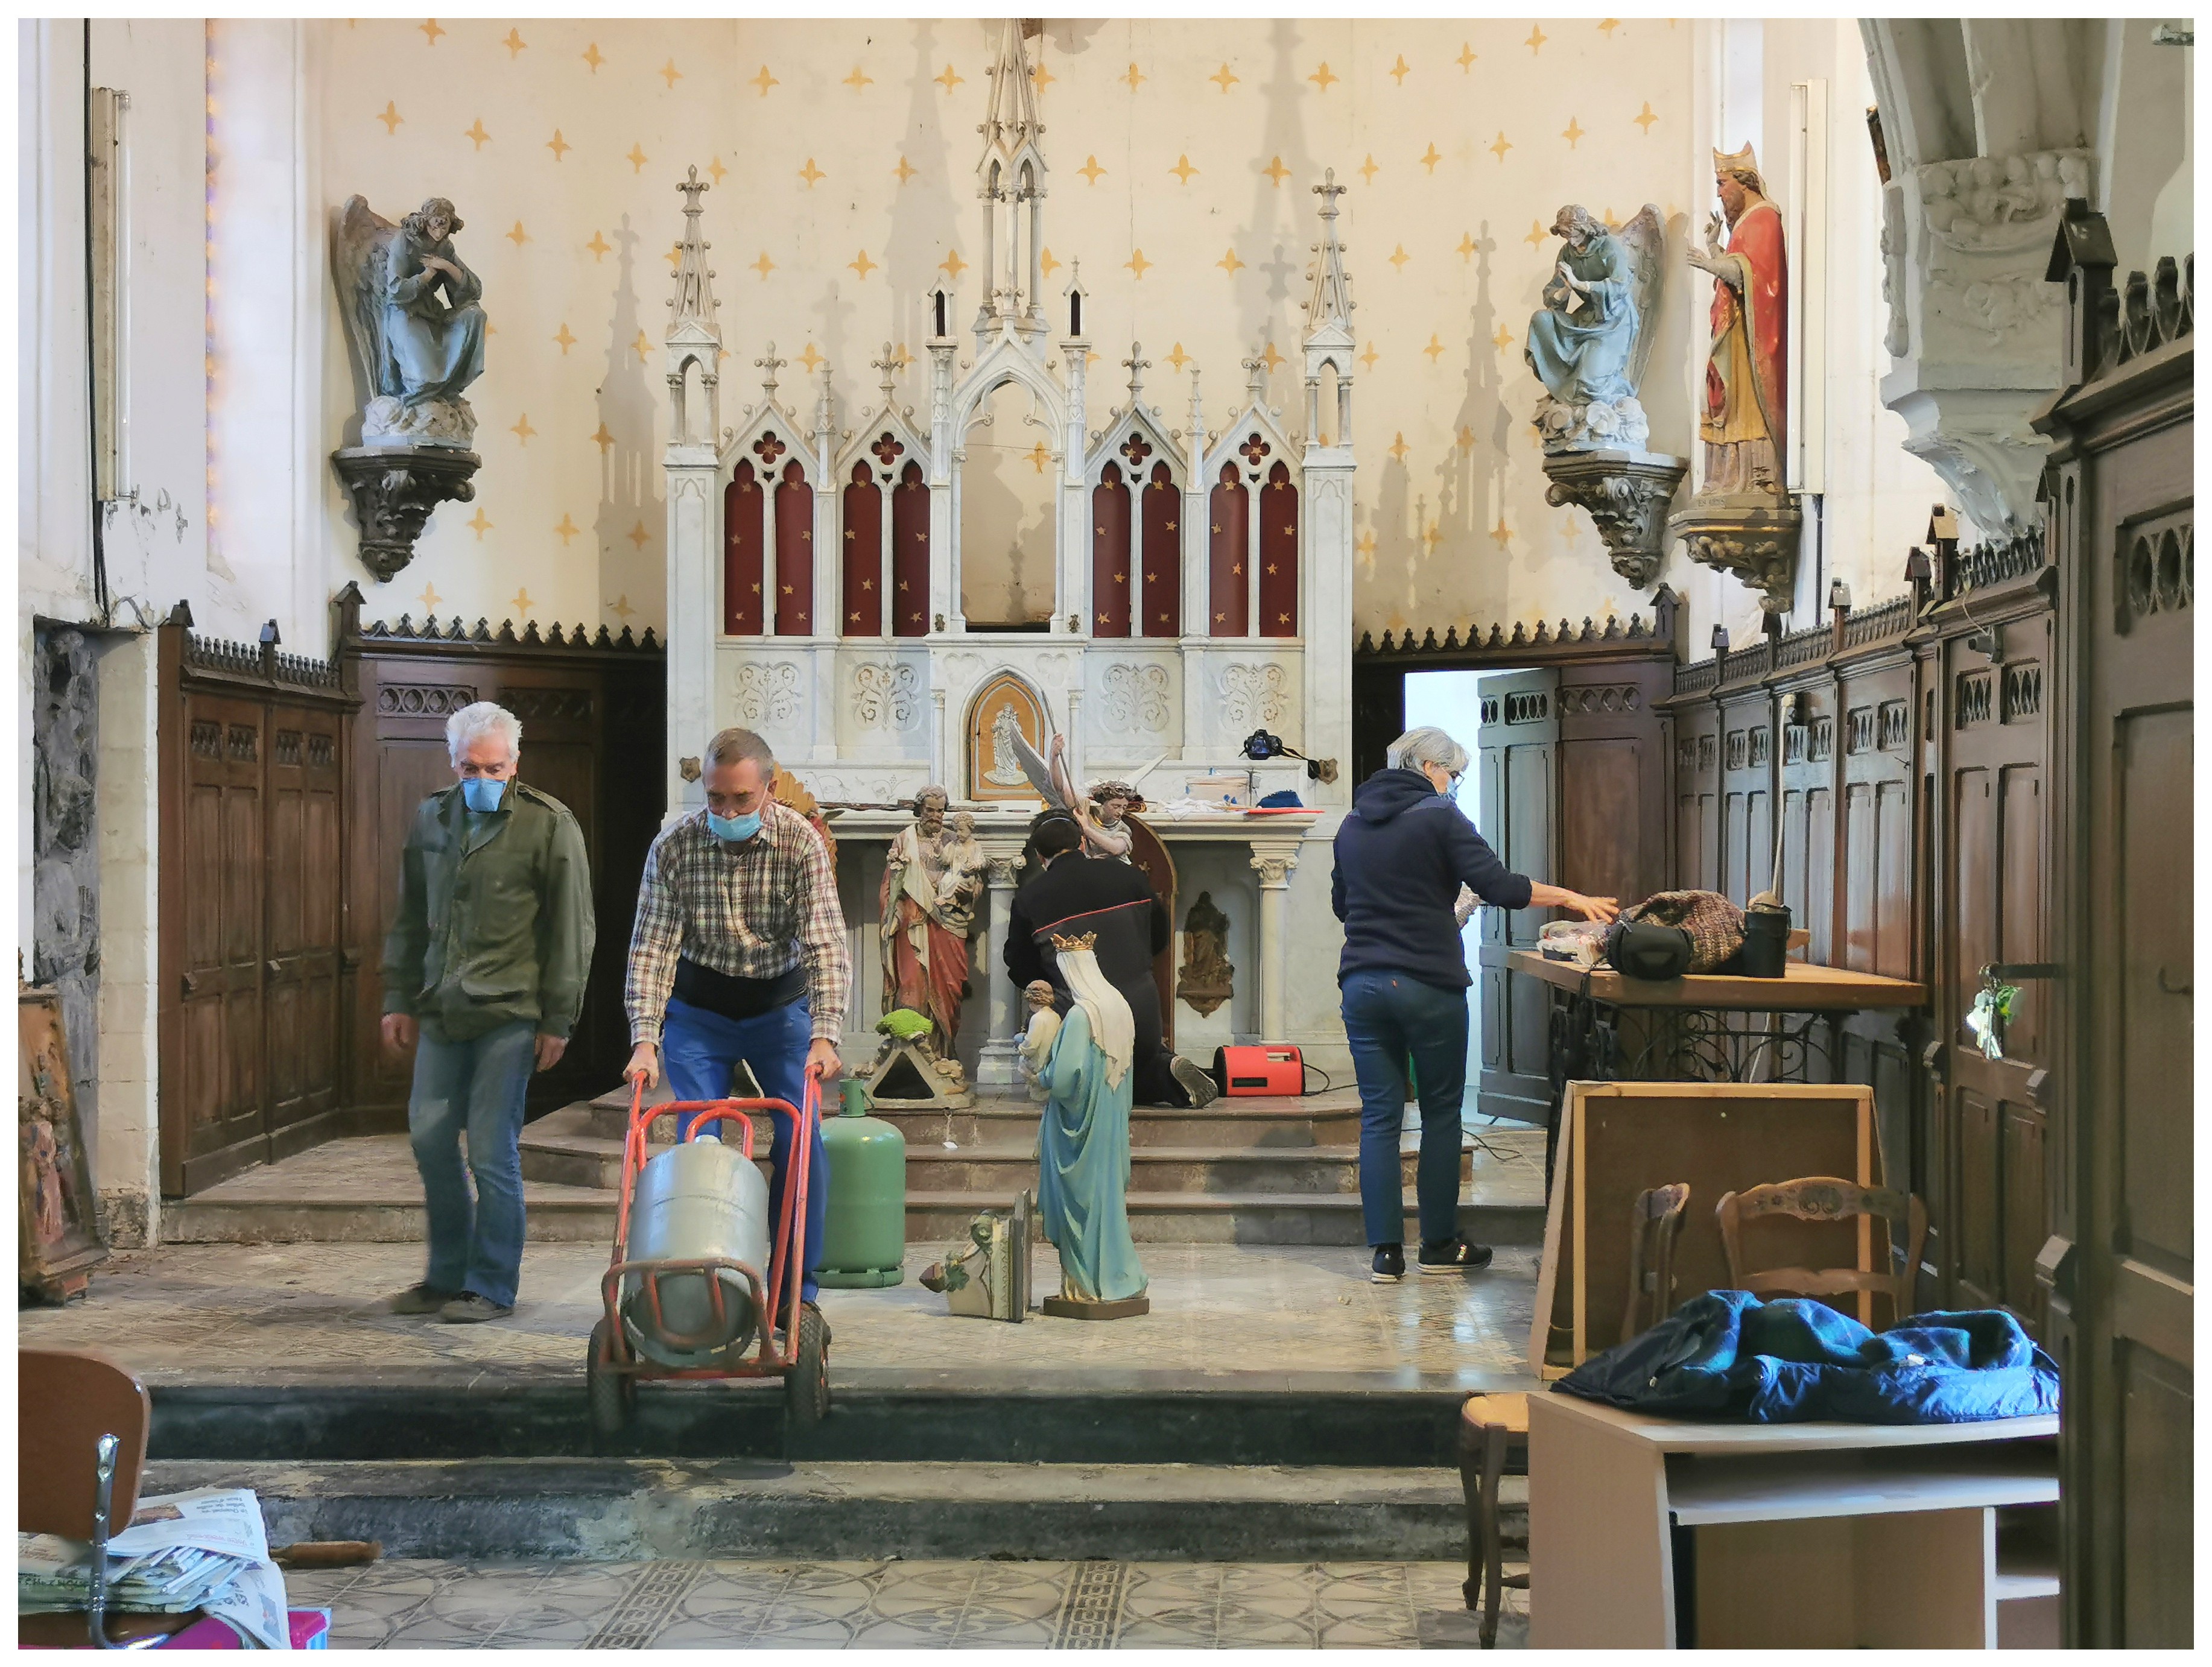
pixel 842 152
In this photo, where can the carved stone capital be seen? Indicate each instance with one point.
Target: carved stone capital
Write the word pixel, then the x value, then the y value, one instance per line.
pixel 1750 535
pixel 1626 495
pixel 1000 872
pixel 394 489
pixel 1274 867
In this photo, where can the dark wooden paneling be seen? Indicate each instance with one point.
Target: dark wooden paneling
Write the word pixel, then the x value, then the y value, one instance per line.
pixel 252 868
pixel 1517 756
pixel 593 717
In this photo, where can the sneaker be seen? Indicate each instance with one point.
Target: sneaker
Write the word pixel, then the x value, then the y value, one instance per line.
pixel 1389 1264
pixel 1454 1256
pixel 1196 1082
pixel 420 1300
pixel 469 1309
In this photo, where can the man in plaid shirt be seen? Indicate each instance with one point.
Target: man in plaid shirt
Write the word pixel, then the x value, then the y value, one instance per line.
pixel 739 954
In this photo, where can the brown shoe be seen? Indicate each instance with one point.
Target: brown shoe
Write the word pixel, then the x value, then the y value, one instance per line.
pixel 470 1309
pixel 420 1300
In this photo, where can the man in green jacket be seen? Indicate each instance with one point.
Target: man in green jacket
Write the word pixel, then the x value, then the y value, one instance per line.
pixel 484 976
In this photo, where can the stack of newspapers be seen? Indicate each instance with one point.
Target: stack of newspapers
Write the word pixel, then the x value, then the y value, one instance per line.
pixel 206 1549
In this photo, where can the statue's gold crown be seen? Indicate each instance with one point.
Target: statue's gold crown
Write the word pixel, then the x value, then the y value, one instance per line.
pixel 1069 945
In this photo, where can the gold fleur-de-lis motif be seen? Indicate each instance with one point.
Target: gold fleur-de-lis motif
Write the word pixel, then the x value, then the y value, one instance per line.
pixel 477 133
pixel 391 116
pixel 1323 77
pixel 1223 79
pixel 763 81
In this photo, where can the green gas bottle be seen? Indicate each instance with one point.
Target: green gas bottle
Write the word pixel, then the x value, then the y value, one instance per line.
pixel 864 1235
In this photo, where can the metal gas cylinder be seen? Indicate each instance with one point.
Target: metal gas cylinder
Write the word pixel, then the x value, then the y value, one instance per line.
pixel 864 1237
pixel 698 1199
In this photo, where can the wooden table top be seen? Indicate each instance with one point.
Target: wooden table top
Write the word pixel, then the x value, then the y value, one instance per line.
pixel 1802 988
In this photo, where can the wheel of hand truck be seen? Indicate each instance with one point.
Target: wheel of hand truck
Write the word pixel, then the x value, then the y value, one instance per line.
pixel 806 1385
pixel 613 1395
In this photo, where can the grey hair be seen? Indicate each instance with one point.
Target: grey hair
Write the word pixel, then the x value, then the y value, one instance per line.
pixel 1426 745
pixel 733 745
pixel 933 791
pixel 484 718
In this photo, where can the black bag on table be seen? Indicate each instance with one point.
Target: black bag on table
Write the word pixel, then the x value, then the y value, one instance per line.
pixel 1643 949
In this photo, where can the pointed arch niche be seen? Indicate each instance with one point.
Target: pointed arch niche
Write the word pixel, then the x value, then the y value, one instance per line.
pixel 1009 487
pixel 1006 702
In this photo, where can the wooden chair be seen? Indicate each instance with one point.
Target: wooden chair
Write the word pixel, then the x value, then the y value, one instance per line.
pixel 1655 1222
pixel 1491 1427
pixel 1826 1199
pixel 71 1404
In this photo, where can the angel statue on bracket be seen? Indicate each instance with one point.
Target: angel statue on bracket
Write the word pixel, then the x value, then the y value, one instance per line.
pixel 415 321
pixel 1589 347
pixel 413 317
pixel 1591 342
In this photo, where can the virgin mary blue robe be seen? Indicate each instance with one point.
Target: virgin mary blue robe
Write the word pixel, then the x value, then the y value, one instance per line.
pixel 1083 1168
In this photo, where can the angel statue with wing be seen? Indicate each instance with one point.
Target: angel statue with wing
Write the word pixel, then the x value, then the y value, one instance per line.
pixel 413 317
pixel 1588 343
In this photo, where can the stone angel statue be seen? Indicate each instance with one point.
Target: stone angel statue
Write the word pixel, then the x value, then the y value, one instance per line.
pixel 414 320
pixel 1589 343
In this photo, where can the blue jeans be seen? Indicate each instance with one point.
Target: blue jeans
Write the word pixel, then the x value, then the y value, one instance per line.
pixel 1388 1016
pixel 478 1086
pixel 699 1051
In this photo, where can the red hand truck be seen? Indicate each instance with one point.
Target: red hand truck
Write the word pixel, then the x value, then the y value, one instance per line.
pixel 615 1368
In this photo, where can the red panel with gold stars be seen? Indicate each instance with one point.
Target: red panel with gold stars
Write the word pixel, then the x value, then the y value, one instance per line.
pixel 794 553
pixel 1109 554
pixel 1228 592
pixel 1279 554
pixel 862 609
pixel 742 521
pixel 910 554
pixel 1161 553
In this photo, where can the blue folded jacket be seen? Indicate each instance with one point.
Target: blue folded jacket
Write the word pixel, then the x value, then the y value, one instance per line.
pixel 1726 1355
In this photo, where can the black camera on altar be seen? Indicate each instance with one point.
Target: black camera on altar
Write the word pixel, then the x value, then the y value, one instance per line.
pixel 1259 746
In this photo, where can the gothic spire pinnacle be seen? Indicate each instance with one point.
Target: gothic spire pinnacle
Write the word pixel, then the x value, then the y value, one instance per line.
pixel 888 365
pixel 1011 126
pixel 1136 364
pixel 1331 301
pixel 693 303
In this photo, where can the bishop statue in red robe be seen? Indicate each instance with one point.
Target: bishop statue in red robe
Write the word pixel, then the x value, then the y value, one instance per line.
pixel 1745 419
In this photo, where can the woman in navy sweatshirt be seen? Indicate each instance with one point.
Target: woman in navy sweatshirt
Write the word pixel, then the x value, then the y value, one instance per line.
pixel 1401 857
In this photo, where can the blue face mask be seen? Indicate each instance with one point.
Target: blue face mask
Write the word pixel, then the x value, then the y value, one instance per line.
pixel 734 830
pixel 482 794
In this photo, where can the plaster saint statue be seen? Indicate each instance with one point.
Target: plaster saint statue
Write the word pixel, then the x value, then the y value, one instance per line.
pixel 931 879
pixel 1746 373
pixel 1055 783
pixel 1083 1145
pixel 413 317
pixel 1589 344
pixel 1043 1029
pixel 1205 982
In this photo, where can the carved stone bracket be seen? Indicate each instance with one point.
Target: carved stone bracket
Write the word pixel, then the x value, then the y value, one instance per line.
pixel 1750 535
pixel 1627 494
pixel 394 489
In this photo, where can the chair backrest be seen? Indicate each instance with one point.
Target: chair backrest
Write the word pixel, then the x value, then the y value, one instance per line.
pixel 1827 1198
pixel 67 1399
pixel 1655 1221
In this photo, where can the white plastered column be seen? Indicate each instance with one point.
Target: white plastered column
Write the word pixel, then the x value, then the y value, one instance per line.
pixel 995 1061
pixel 695 610
pixel 1273 861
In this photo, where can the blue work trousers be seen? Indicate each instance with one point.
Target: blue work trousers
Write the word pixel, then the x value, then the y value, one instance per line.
pixel 1388 1018
pixel 476 1086
pixel 699 1049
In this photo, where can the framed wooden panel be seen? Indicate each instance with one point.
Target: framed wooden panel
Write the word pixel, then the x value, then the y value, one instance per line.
pixel 1617 1139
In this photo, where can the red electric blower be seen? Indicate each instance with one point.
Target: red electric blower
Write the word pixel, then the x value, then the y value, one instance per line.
pixel 1265 1068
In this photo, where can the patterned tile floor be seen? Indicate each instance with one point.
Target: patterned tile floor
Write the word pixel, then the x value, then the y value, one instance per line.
pixel 874 1605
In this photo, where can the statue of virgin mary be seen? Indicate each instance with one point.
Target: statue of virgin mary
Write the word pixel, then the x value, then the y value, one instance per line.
pixel 1082 1147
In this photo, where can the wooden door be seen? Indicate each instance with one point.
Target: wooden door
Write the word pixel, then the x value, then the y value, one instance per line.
pixel 1517 759
pixel 1150 853
pixel 303 933
pixel 213 1121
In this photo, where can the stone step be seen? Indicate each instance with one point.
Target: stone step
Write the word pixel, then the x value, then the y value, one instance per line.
pixel 562 1148
pixel 1279 1412
pixel 635 1510
pixel 1331 1119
